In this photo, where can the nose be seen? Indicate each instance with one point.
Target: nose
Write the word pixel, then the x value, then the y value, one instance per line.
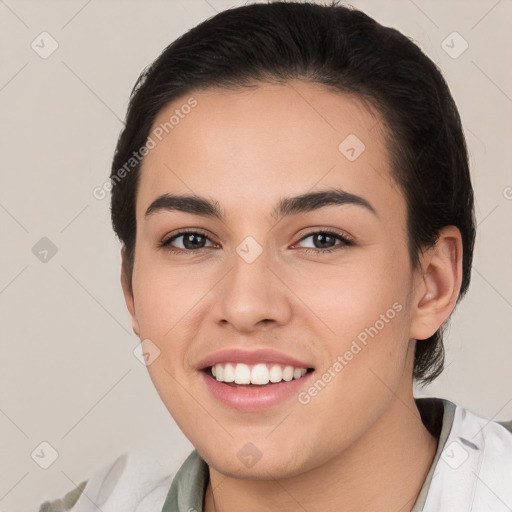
pixel 252 296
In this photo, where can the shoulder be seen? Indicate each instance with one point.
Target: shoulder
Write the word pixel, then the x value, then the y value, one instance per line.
pixel 482 429
pixel 474 471
pixel 66 503
pixel 506 424
pixel 136 480
pixel 486 442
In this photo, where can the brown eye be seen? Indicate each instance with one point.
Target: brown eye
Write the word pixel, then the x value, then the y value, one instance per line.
pixel 189 241
pixel 325 241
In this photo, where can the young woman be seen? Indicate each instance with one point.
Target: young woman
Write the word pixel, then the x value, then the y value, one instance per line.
pixel 292 194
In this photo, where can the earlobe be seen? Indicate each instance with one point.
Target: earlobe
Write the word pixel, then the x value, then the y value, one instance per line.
pixel 128 292
pixel 439 285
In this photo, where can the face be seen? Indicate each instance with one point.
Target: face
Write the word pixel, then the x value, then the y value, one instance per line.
pixel 327 282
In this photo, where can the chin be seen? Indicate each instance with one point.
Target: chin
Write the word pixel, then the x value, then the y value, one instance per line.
pixel 249 464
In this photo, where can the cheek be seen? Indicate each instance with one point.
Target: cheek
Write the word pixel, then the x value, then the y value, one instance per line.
pixel 165 298
pixel 165 304
pixel 361 314
pixel 350 297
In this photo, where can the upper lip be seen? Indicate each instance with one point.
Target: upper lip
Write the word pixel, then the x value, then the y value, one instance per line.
pixel 238 355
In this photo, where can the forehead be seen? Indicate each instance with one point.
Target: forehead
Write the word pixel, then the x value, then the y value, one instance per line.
pixel 254 146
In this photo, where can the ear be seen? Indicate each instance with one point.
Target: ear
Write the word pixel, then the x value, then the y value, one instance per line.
pixel 126 284
pixel 437 285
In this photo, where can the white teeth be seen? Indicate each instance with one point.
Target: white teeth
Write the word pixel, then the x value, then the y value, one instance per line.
pixel 259 374
pixel 288 373
pixel 242 374
pixel 276 373
pixel 229 372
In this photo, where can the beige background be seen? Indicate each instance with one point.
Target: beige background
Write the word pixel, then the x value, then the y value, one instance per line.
pixel 67 369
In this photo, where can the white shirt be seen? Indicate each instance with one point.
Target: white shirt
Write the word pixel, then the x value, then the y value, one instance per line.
pixel 471 472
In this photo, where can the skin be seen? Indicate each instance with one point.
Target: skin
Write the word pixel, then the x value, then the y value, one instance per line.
pixel 360 441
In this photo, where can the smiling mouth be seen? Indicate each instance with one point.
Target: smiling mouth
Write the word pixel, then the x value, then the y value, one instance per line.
pixel 239 375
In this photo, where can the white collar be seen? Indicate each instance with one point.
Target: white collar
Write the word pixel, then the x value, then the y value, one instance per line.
pixel 474 471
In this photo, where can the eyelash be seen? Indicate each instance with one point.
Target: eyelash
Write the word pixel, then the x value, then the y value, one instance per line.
pixel 346 241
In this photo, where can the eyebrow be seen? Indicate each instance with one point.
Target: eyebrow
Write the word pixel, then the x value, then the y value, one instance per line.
pixel 285 207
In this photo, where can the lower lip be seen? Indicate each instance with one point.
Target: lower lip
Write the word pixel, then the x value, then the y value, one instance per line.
pixel 254 398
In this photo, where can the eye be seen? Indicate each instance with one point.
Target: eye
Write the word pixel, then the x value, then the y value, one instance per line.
pixel 192 241
pixel 325 241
